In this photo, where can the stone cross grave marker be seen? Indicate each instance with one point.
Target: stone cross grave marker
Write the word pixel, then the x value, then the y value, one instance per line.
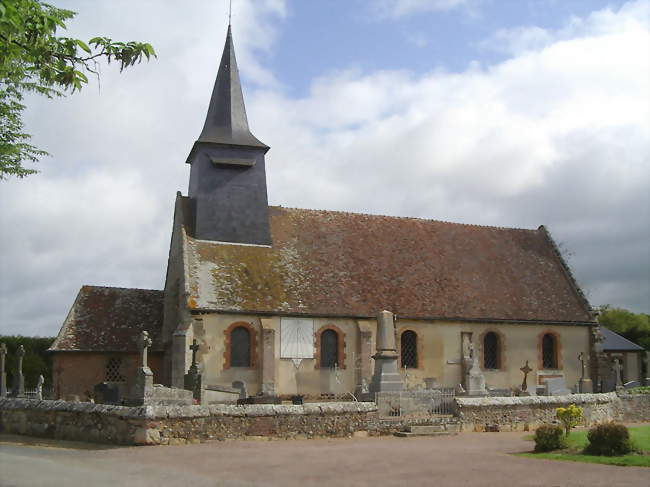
pixel 582 359
pixel 19 385
pixel 144 342
pixel 194 348
pixel 618 369
pixel 526 370
pixel 3 374
pixel 39 387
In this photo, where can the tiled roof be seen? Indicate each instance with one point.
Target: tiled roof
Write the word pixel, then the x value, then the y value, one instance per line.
pixel 615 342
pixel 111 319
pixel 347 264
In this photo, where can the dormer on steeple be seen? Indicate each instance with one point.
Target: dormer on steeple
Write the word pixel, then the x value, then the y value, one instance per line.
pixel 228 176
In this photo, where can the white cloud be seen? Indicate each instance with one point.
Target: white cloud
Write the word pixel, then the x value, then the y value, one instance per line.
pixel 401 8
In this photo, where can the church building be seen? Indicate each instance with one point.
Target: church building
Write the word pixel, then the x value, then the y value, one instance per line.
pixel 285 300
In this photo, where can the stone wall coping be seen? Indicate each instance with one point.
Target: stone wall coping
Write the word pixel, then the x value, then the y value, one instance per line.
pixel 536 400
pixel 164 412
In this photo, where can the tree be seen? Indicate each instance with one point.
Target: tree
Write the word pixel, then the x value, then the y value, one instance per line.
pixel 37 361
pixel 633 326
pixel 34 59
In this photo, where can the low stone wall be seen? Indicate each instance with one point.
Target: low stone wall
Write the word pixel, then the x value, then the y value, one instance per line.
pixel 635 407
pixel 180 424
pixel 524 413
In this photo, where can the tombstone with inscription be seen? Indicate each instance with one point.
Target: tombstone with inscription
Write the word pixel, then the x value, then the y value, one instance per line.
pixel 556 386
pixel 3 374
pixel 19 380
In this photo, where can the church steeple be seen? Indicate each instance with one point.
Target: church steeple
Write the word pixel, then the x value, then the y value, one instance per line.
pixel 226 122
pixel 228 175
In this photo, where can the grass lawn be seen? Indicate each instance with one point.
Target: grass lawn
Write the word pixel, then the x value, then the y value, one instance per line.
pixel 578 440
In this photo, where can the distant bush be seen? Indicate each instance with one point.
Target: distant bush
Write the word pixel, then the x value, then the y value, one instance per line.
pixel 549 437
pixel 639 390
pixel 608 439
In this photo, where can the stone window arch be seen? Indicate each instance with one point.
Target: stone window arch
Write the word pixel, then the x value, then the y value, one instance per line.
pixel 240 344
pixel 408 346
pixel 549 350
pixel 330 347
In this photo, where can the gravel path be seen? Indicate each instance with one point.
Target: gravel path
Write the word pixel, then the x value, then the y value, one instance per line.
pixel 469 459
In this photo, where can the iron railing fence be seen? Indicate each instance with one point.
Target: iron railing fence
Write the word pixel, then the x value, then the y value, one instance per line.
pixel 430 402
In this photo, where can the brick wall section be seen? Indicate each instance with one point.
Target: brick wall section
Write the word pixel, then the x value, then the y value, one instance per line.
pixel 75 373
pixel 524 413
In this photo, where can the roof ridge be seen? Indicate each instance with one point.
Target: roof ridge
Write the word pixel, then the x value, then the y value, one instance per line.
pixel 377 215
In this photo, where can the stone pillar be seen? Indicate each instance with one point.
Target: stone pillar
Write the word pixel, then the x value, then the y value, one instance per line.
pixel 268 361
pixel 19 380
pixel 3 374
pixel 179 358
pixel 386 376
pixel 39 387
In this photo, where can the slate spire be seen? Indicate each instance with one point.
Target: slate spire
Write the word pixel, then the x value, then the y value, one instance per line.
pixel 226 122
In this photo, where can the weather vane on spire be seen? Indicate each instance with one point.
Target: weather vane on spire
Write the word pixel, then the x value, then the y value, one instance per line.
pixel 229 11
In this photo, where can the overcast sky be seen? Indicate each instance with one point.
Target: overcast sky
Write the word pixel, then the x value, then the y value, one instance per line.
pixel 495 112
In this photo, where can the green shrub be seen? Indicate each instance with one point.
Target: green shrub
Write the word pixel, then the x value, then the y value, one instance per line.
pixel 608 439
pixel 570 417
pixel 549 437
pixel 639 390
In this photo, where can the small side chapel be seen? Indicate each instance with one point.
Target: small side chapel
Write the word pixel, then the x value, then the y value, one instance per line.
pixel 285 300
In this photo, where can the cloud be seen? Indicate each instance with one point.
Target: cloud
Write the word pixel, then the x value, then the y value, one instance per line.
pixel 557 134
pixel 402 8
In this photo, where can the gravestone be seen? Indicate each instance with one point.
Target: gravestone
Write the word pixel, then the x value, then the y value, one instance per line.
pixel 192 380
pixel 584 384
pixel 143 388
pixel 106 393
pixel 3 374
pixel 19 380
pixel 618 370
pixel 524 385
pixel 556 386
pixel 39 388
pixel 241 387
pixel 474 378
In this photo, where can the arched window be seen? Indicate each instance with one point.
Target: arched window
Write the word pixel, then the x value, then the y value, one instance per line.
pixel 549 351
pixel 114 370
pixel 409 349
pixel 491 351
pixel 240 347
pixel 329 349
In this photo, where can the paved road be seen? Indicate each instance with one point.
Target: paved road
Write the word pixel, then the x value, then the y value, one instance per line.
pixel 469 459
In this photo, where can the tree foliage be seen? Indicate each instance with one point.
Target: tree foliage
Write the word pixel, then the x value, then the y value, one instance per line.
pixel 34 59
pixel 633 326
pixel 37 361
